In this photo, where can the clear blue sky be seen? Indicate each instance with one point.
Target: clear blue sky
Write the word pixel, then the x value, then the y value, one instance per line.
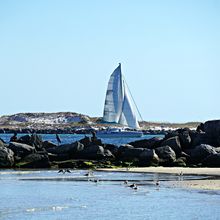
pixel 58 56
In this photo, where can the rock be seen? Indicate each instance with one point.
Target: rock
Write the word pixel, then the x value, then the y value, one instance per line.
pixel 48 144
pixel 90 141
pixel 129 153
pixel 217 149
pixel 113 148
pixel 173 143
pixel 2 144
pixel 93 152
pixel 200 152
pixel 171 134
pixel 166 154
pixel 34 160
pixel 180 162
pixel 185 139
pixel 212 160
pixel 203 138
pixel 20 149
pixel 86 141
pixel 147 143
pixel 32 140
pixel 70 149
pixel 6 157
pixel 200 128
pixel 212 128
pixel 108 154
pixel 148 157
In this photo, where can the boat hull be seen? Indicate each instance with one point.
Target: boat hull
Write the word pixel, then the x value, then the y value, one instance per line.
pixel 122 134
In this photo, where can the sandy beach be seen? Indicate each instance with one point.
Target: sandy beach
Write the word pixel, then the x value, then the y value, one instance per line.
pixel 208 184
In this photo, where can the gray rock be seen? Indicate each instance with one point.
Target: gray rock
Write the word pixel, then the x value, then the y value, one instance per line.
pixel 113 148
pixel 166 154
pixel 185 139
pixel 35 160
pixel 90 141
pixel 212 128
pixel 147 143
pixel 108 154
pixel 2 144
pixel 6 157
pixel 203 138
pixel 70 149
pixel 200 152
pixel 48 144
pixel 212 160
pixel 32 140
pixel 93 152
pixel 173 143
pixel 148 157
pixel 130 153
pixel 20 149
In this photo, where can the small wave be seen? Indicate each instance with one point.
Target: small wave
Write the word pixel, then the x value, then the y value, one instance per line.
pixel 50 208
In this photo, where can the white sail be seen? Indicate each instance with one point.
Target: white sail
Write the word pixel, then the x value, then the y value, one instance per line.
pixel 119 107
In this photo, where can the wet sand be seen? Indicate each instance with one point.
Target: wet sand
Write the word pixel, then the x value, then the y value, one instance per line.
pixel 213 183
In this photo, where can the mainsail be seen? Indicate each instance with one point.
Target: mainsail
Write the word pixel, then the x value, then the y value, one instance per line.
pixel 119 107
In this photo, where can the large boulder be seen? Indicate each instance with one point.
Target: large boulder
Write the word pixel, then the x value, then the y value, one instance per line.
pixel 147 143
pixel 20 149
pixel 200 152
pixel 32 140
pixel 113 148
pixel 212 160
pixel 166 154
pixel 70 149
pixel 35 160
pixel 212 128
pixel 93 152
pixel 148 157
pixel 127 152
pixel 6 157
pixel 173 143
pixel 48 144
pixel 86 141
pixel 203 138
pixel 185 138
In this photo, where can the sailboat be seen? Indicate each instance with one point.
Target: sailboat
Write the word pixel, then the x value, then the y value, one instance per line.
pixel 119 108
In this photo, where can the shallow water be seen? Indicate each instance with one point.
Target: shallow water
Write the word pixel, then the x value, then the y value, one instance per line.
pixel 48 195
pixel 45 194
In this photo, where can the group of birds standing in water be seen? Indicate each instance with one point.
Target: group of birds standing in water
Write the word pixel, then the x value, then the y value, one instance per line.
pixel 91 174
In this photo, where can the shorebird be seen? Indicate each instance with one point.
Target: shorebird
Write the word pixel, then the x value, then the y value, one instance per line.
pixel 90 173
pixel 67 171
pixel 157 183
pixel 133 186
pixel 126 182
pixel 58 139
pixel 181 173
pixel 61 171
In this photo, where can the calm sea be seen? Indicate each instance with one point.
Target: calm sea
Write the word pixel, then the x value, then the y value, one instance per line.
pixel 46 194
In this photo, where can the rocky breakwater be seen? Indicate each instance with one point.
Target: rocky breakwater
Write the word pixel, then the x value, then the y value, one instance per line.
pixel 183 147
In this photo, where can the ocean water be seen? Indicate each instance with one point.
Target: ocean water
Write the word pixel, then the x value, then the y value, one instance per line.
pixel 69 138
pixel 46 194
